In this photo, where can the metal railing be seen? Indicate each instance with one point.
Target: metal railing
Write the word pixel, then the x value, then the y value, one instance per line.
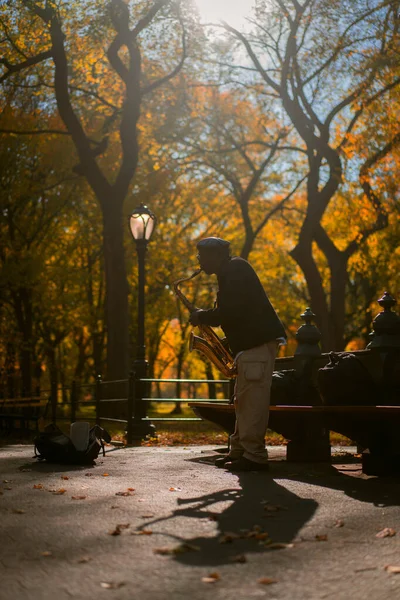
pixel 135 409
pixel 137 418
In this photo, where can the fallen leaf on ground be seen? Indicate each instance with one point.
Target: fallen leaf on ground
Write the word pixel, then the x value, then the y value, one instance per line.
pixel 130 489
pixel 84 559
pixel 88 474
pixel 387 532
pixel 227 538
pixel 260 536
pixel 181 549
pixel 123 493
pixel 119 528
pixel 175 489
pixel 142 532
pixel 78 497
pixel 112 585
pixel 59 492
pixel 6 480
pixel 239 558
pixel 211 578
pixel 392 568
pixel 267 580
pixel 64 477
pixel 339 523
pixel 146 516
pixel 37 486
pixel 18 511
pixel 163 551
pixel 322 537
pixel 106 475
pixel 278 546
pixel 46 553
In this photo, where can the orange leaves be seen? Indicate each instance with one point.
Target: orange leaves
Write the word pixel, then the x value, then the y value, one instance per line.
pixel 119 528
pixel 267 580
pixel 386 532
pixel 211 578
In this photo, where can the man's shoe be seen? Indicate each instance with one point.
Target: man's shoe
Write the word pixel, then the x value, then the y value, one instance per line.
pixel 221 461
pixel 244 464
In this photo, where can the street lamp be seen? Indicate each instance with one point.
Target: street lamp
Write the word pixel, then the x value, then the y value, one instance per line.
pixel 141 224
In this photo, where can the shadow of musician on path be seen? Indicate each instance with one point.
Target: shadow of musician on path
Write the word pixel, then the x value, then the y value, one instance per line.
pixel 260 502
pixel 247 508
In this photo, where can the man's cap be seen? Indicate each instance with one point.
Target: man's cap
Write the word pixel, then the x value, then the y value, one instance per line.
pixel 213 243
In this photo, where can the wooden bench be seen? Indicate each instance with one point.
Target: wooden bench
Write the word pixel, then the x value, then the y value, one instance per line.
pixel 22 411
pixel 374 428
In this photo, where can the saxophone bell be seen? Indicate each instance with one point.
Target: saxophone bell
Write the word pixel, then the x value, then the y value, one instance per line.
pixel 208 343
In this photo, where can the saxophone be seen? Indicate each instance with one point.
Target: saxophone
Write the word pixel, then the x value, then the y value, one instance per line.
pixel 208 342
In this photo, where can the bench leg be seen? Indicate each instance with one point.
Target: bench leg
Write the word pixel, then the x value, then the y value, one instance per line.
pixel 313 446
pixel 380 464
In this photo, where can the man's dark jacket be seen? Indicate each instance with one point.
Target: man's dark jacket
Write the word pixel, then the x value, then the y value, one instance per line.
pixel 243 309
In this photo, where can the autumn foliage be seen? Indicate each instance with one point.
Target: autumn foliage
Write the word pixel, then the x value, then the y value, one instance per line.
pixel 286 144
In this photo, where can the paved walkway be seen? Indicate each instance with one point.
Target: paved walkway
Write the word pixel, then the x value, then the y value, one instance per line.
pixel 164 523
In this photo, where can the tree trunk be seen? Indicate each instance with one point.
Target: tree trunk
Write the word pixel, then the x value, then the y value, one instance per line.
pixel 116 303
pixel 338 282
pixel 22 300
pixel 302 254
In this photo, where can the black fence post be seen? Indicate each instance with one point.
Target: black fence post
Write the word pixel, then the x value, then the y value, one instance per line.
pixel 131 407
pixel 74 400
pixel 97 396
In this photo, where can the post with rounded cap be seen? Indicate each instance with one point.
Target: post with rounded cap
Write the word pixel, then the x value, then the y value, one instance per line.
pixel 385 343
pixel 141 225
pixel 386 326
pixel 311 442
pixel 308 336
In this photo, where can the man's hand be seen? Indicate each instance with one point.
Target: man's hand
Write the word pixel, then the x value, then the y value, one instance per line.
pixel 194 317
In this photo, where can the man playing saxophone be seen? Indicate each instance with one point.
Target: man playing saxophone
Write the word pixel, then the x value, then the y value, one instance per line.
pixel 254 332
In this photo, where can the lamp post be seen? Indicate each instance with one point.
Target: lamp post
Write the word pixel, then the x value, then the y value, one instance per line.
pixel 141 224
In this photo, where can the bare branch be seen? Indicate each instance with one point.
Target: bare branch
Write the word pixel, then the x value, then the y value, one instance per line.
pixel 35 131
pixel 278 207
pixel 253 56
pixel 175 71
pixel 29 62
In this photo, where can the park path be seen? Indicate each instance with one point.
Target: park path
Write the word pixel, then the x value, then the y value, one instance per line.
pixel 164 523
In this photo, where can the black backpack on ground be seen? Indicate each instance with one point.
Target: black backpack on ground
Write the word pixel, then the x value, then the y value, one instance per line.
pixel 56 447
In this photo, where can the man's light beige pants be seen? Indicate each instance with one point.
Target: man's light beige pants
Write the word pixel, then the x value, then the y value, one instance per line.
pixel 252 399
